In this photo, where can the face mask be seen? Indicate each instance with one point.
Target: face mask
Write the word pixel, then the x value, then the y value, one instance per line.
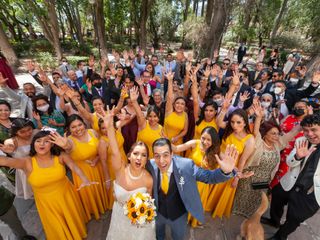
pixel 298 112
pixel 265 104
pixel 65 63
pixel 256 90
pixel 218 102
pixel 43 108
pixel 294 80
pixel 277 90
pixel 98 85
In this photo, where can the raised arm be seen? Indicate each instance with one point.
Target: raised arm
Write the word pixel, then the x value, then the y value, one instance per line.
pixel 18 163
pixel 134 94
pixel 169 106
pixel 259 113
pixel 183 147
pixel 84 113
pixel 117 163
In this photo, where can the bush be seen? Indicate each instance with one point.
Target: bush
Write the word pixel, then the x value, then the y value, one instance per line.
pixel 74 59
pixel 22 48
pixel 288 40
pixel 46 60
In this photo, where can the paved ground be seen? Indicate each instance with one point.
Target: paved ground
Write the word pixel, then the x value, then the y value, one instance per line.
pixel 215 229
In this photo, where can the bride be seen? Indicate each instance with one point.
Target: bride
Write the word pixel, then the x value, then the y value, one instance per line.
pixel 130 178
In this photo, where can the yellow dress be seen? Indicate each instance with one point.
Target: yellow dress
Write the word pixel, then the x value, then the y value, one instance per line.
pixel 120 141
pixel 173 125
pixel 222 195
pixel 94 197
pixel 202 125
pixel 60 209
pixel 204 189
pixel 149 135
pixel 95 123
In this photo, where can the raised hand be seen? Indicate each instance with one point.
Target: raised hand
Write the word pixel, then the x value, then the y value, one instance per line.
pixel 139 81
pixel 170 75
pixel 229 158
pixel 302 149
pixel 244 96
pixel 207 72
pixel 36 116
pixel 52 122
pixel 124 92
pixel 91 62
pixel 3 81
pixel 134 94
pixel 258 110
pixel 59 140
pixel 235 78
pixel 107 117
pixel 215 53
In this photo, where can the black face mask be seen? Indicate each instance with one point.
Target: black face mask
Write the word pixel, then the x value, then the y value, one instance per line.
pixel 98 85
pixel 298 112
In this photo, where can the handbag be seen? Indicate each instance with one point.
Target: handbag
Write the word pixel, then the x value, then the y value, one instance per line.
pixel 259 185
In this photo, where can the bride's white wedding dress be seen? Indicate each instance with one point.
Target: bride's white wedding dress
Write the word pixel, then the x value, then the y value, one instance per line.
pixel 120 226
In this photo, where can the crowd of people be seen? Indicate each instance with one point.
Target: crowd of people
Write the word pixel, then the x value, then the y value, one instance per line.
pixel 198 136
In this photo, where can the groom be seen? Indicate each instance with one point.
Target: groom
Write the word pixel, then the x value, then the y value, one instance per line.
pixel 175 186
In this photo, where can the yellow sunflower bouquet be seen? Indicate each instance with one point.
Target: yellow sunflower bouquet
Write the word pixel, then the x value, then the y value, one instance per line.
pixel 140 209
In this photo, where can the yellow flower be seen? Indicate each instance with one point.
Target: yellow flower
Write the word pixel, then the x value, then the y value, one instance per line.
pixel 133 216
pixel 142 209
pixel 150 214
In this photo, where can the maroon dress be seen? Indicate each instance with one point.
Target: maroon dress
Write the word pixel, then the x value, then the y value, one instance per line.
pixel 6 71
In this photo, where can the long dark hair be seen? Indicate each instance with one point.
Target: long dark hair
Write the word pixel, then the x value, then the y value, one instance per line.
pixel 241 113
pixel 45 98
pixel 71 119
pixel 178 98
pixel 214 148
pixel 55 150
pixel 152 71
pixel 155 109
pixel 4 102
pixel 18 124
pixel 208 103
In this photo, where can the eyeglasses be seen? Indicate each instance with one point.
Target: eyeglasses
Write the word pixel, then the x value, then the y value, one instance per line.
pixel 225 63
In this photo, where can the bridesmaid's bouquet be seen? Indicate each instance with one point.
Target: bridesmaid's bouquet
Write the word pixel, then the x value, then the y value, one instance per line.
pixel 140 209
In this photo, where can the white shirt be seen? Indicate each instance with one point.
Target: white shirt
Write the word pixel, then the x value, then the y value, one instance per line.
pixel 283 107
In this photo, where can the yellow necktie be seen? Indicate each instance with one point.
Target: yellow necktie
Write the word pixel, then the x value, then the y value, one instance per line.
pixel 165 182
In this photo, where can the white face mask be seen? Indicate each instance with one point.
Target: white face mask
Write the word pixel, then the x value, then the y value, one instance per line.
pixel 277 90
pixel 294 80
pixel 218 102
pixel 265 104
pixel 43 108
pixel 65 63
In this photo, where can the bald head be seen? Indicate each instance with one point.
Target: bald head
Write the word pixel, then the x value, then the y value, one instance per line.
pixel 72 75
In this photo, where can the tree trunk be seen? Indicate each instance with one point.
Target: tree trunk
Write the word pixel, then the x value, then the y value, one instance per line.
pixel 202 8
pixel 221 11
pixel 277 21
pixel 101 28
pixel 144 13
pixel 62 26
pixel 7 49
pixel 248 9
pixel 195 7
pixel 209 10
pixel 49 23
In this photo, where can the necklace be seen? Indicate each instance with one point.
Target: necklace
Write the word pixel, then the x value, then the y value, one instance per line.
pixel 133 177
pixel 268 146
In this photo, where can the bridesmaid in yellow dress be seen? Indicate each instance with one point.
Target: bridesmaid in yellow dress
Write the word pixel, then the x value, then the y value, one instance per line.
pixel 82 144
pixel 60 209
pixel 149 129
pixel 105 154
pixel 176 119
pixel 202 152
pixel 237 133
pixel 207 118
